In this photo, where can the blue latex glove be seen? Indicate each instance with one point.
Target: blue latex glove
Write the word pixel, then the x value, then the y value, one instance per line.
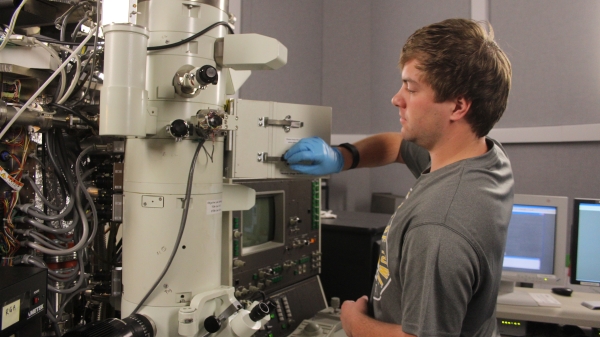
pixel 314 156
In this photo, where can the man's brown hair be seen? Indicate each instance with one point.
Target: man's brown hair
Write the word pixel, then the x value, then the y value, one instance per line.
pixel 459 58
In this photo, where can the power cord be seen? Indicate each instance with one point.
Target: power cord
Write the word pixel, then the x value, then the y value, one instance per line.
pixel 188 193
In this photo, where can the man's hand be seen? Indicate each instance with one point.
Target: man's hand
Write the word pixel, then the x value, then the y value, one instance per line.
pixel 357 323
pixel 353 312
pixel 314 156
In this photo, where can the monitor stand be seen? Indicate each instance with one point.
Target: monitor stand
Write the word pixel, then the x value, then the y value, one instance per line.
pixel 507 295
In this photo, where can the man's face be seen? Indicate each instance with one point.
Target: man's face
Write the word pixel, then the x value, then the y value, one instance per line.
pixel 423 120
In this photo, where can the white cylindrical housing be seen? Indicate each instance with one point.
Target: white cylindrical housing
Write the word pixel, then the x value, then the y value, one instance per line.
pixel 187 325
pixel 243 326
pixel 123 97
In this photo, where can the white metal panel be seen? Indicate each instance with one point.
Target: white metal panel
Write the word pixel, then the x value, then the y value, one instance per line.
pixel 255 137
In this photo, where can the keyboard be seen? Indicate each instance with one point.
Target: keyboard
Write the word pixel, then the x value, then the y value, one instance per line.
pixel 545 300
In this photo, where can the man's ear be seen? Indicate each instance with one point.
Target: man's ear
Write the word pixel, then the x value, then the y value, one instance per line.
pixel 461 107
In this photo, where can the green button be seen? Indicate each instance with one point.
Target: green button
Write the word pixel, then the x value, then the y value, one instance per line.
pixel 284 326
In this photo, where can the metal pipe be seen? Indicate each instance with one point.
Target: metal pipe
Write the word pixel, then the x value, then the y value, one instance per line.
pixel 28 117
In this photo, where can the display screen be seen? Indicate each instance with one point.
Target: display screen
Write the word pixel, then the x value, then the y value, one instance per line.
pixel 530 240
pixel 587 243
pixel 259 222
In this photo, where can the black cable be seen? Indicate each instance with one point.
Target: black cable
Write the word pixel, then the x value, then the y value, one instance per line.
pixel 193 37
pixel 76 113
pixel 188 193
pixel 66 43
pixel 80 85
pixel 57 169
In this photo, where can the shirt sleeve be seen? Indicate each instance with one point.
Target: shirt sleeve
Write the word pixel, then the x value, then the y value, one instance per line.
pixel 438 271
pixel 415 157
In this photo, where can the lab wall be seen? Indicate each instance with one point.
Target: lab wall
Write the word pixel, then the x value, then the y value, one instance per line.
pixel 344 54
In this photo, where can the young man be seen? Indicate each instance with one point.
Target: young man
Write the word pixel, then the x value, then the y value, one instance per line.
pixel 441 255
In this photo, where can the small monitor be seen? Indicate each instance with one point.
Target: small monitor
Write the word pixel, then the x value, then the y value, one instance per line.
pixel 262 226
pixel 585 243
pixel 535 246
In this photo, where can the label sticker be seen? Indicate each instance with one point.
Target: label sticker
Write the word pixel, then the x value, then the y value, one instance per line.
pixel 12 182
pixel 10 314
pixel 213 206
pixel 292 140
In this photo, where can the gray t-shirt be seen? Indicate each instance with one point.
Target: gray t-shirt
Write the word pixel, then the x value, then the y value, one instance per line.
pixel 441 253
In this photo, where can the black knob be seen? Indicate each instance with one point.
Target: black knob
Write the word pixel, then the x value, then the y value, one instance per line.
pixel 212 324
pixel 215 121
pixel 179 128
pixel 207 75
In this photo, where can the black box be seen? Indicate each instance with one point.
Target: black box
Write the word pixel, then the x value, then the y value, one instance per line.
pixel 350 246
pixel 22 300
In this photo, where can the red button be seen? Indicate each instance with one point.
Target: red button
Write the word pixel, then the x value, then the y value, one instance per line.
pixel 36 300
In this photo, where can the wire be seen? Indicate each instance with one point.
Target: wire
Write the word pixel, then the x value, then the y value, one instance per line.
pixel 75 78
pixel 11 26
pixel 63 74
pixel 76 113
pixel 66 43
pixel 188 193
pixel 65 18
pixel 193 37
pixel 43 86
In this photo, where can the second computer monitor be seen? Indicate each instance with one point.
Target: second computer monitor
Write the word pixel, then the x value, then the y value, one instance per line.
pixel 585 243
pixel 536 244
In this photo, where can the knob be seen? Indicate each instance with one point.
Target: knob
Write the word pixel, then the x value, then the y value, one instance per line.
pixel 215 121
pixel 295 220
pixel 312 329
pixel 178 129
pixel 238 263
pixel 212 324
pixel 207 75
pixel 335 303
pixel 237 234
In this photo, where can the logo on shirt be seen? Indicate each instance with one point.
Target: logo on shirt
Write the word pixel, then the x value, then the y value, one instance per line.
pixel 382 276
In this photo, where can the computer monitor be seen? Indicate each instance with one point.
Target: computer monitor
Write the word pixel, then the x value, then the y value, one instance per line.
pixel 535 246
pixel 263 226
pixel 585 247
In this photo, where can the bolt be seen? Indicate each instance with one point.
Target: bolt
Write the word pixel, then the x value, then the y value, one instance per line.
pixel 144 204
pixel 165 286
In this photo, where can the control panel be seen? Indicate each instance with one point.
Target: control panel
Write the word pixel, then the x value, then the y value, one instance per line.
pixel 326 323
pixel 295 304
pixel 277 242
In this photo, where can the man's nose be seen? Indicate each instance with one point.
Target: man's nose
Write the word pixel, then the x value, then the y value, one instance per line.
pixel 397 100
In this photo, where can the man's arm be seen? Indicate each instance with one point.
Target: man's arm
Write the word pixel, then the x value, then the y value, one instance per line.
pixel 314 156
pixel 377 150
pixel 357 323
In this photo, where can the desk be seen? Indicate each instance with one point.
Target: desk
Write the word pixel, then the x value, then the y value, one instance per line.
pixel 571 312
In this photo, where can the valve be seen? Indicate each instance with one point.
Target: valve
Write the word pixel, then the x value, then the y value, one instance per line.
pixel 209 121
pixel 179 129
pixel 189 80
pixel 207 75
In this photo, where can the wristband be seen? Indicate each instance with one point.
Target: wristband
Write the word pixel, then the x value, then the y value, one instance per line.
pixel 354 152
